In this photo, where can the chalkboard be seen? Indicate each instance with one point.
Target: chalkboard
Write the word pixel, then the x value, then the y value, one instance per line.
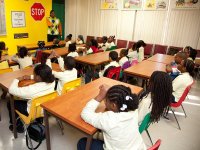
pixel 2 18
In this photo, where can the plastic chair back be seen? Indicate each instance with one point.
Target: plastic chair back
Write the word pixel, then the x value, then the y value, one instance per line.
pixel 198 53
pixel 161 49
pixel 130 44
pixel 122 43
pixel 148 49
pixel 126 65
pixel 38 56
pixel 172 50
pixel 71 85
pixel 35 110
pixel 4 64
pixel 156 145
pixel 2 71
pixel 114 73
pixel 182 98
pixel 99 40
pixel 145 123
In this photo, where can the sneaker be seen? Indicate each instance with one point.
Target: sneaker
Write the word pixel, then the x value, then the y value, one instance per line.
pixel 20 129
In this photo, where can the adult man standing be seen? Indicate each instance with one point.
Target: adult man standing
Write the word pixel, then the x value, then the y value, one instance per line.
pixel 54 27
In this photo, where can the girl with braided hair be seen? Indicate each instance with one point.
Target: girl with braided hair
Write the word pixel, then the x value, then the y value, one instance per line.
pixel 157 98
pixel 119 123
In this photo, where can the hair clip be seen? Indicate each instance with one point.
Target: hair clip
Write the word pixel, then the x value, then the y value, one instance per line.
pixel 128 98
pixel 124 106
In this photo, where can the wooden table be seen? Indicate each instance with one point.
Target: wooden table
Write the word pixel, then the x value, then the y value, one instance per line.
pixel 162 58
pixel 144 70
pixel 60 51
pixel 95 59
pixel 35 46
pixel 7 78
pixel 68 107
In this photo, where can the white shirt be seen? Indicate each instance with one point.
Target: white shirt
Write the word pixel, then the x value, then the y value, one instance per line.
pixel 89 51
pixel 144 108
pixel 120 130
pixel 112 63
pixel 73 54
pixel 63 77
pixel 141 54
pixel 79 42
pixel 123 60
pixel 133 55
pixel 180 83
pixel 23 62
pixel 67 43
pixel 31 91
pixel 109 45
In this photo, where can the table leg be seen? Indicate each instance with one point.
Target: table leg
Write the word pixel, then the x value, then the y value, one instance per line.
pixel 125 78
pixel 89 142
pixel 46 121
pixel 13 116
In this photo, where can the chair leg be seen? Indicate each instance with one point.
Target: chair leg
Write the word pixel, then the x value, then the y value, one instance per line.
pixel 184 110
pixel 149 136
pixel 61 126
pixel 176 119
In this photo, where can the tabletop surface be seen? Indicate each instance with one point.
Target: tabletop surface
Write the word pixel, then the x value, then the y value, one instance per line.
pixel 60 51
pixel 68 107
pixel 145 68
pixel 162 58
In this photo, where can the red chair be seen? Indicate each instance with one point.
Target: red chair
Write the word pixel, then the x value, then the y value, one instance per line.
pixel 38 56
pixel 148 49
pixel 161 49
pixel 114 73
pixel 99 40
pixel 179 103
pixel 198 53
pixel 89 38
pixel 122 43
pixel 130 44
pixel 156 145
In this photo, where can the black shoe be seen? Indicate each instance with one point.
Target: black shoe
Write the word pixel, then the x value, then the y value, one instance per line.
pixel 20 129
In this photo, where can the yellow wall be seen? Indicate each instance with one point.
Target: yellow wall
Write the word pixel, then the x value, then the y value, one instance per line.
pixel 37 30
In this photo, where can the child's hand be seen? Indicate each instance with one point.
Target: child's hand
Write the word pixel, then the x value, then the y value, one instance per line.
pixel 168 68
pixel 102 92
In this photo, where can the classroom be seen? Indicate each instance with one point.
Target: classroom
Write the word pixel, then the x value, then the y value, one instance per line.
pixel 99 74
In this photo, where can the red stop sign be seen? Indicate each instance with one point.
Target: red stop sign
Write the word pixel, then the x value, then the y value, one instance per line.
pixel 37 11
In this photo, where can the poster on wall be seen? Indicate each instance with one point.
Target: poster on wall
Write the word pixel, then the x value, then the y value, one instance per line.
pixel 132 4
pixel 18 19
pixel 2 18
pixel 109 4
pixel 156 4
pixel 185 4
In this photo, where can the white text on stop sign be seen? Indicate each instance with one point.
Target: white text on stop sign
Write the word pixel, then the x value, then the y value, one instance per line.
pixel 36 11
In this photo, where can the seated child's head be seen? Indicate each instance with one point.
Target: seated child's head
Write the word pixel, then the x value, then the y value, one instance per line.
pixel 113 56
pixel 123 52
pixel 94 42
pixel 43 73
pixel 190 52
pixel 160 86
pixel 104 39
pixel 119 98
pixel 179 57
pixel 140 43
pixel 56 41
pixel 111 39
pixel 23 52
pixel 69 62
pixel 72 47
pixel 41 44
pixel 68 38
pixel 2 45
pixel 80 37
pixel 187 66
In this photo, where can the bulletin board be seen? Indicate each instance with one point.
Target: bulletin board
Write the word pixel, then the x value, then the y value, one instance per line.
pixel 2 18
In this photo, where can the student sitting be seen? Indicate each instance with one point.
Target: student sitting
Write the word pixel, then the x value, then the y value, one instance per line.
pixel 124 57
pixel 80 40
pixel 23 58
pixel 93 48
pixel 172 68
pixel 3 49
pixel 44 84
pixel 67 66
pixel 191 53
pixel 104 45
pixel 72 50
pixel 68 40
pixel 56 43
pixel 119 122
pixel 133 54
pixel 157 97
pixel 110 43
pixel 185 79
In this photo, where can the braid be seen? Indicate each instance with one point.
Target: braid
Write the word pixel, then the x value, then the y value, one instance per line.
pixel 161 94
pixel 189 65
pixel 118 93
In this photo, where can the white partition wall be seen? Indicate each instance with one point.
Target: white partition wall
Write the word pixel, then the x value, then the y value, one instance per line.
pixel 170 27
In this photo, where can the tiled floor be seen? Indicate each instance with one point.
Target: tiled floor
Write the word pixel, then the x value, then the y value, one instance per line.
pixel 188 138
